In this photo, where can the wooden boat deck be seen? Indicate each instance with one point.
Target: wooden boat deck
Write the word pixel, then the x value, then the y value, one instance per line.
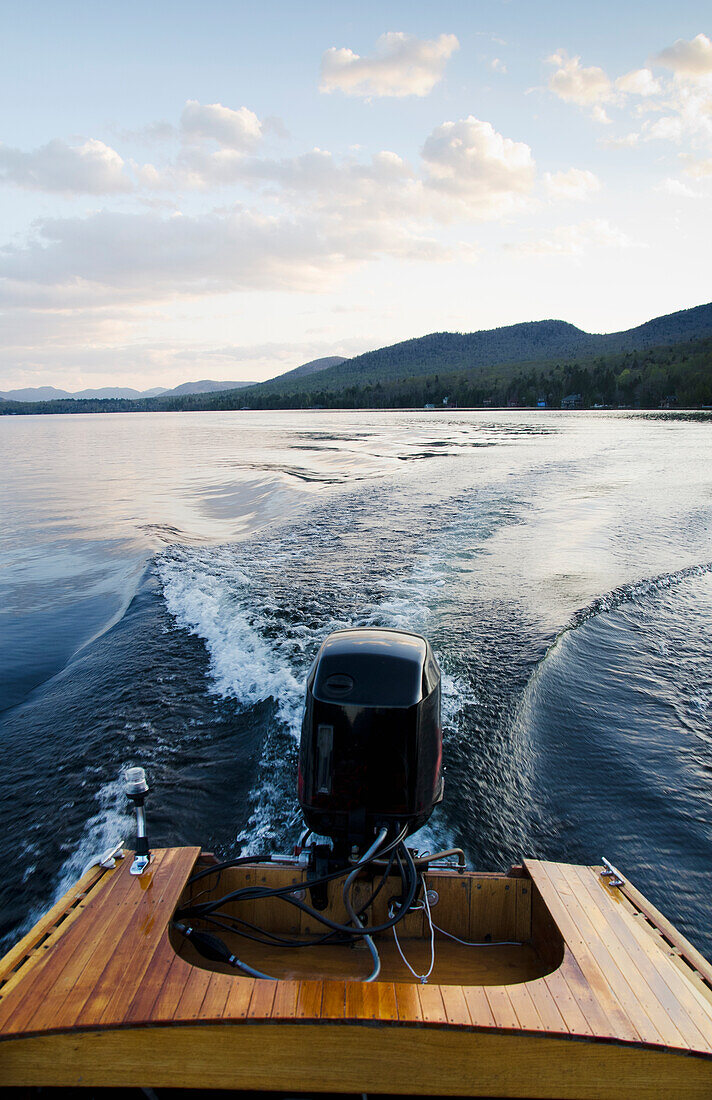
pixel 100 970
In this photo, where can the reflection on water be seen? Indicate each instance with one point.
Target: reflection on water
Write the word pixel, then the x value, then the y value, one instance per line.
pixel 559 563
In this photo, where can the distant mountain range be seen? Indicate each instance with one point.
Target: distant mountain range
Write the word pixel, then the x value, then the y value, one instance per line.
pixel 113 393
pixel 665 360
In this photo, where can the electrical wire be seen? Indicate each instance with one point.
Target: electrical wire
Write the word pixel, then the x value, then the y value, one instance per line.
pixel 254 893
pixel 251 893
pixel 425 904
pixel 212 947
pixel 485 943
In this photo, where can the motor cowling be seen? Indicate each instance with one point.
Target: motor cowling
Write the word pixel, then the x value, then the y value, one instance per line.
pixel 371 744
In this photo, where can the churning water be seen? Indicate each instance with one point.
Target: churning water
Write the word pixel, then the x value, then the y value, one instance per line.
pixel 166 580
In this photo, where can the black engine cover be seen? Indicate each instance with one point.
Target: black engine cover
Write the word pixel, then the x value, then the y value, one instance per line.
pixel 371 744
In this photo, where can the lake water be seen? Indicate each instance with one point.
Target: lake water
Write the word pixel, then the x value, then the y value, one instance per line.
pixel 165 580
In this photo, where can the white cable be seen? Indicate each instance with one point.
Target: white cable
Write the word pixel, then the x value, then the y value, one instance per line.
pixel 422 978
pixel 487 943
pixel 465 943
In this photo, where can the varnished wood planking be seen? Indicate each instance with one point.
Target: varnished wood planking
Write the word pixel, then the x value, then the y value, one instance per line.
pixel 478 1006
pixel 594 980
pixel 16 964
pixel 452 910
pixel 455 1005
pixel 643 1012
pixel 493 910
pixel 408 1003
pixel 501 1007
pixel 431 1004
pixel 262 1000
pixel 333 1003
pixel 66 974
pixel 688 950
pixel 525 1010
pixel 215 999
pixel 600 1023
pixel 571 1011
pixel 285 1000
pixel 309 1000
pixel 523 910
pixel 649 967
pixel 134 952
pixel 239 997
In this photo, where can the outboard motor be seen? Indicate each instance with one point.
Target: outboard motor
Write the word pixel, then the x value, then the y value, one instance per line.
pixel 371 745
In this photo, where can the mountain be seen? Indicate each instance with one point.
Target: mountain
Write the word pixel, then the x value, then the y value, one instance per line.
pixel 667 360
pixel 35 393
pixel 106 393
pixel 114 393
pixel 312 367
pixel 117 393
pixel 206 386
pixel 528 342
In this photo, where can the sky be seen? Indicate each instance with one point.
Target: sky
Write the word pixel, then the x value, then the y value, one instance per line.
pixel 227 190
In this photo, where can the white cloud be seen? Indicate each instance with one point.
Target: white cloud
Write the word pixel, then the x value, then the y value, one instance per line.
pixel 688 58
pixel 574 84
pixel 403 65
pixel 639 82
pixel 238 129
pixel 92 168
pixel 147 257
pixel 469 171
pixel 677 189
pixel 598 114
pixel 497 65
pixel 627 141
pixel 469 160
pixel 698 169
pixel 576 240
pixel 577 183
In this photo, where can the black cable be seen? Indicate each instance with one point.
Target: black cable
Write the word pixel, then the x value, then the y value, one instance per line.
pixel 338 933
pixel 273 941
pixel 219 867
pixel 384 878
pixel 253 893
pixel 361 931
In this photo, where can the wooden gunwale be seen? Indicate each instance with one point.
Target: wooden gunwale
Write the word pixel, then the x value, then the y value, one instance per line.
pixel 361 1057
pixel 114 971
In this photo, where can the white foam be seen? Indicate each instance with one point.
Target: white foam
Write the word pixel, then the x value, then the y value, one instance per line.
pixel 254 658
pixel 207 595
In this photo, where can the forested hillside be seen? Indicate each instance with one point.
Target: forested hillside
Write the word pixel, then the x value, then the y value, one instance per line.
pixel 667 361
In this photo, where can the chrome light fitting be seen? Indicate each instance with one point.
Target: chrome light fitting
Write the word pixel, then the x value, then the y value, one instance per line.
pixel 136 789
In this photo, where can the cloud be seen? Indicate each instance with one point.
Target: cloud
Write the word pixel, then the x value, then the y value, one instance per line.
pixel 698 169
pixel 576 240
pixel 627 141
pixel 677 189
pixel 639 82
pixel 233 129
pixel 92 168
pixel 688 58
pixel 577 183
pixel 468 171
pixel 574 84
pixel 403 65
pixel 469 160
pixel 147 257
pixel 497 65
